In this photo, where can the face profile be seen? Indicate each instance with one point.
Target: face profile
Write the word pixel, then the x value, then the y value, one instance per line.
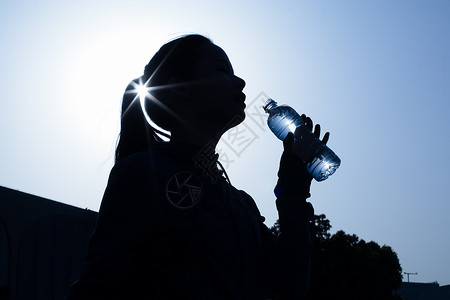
pixel 213 97
pixel 221 93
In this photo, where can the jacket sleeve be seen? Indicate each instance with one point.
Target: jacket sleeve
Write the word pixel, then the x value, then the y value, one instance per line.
pixel 288 256
pixel 108 266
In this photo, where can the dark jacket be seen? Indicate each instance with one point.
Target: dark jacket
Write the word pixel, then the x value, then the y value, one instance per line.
pixel 169 230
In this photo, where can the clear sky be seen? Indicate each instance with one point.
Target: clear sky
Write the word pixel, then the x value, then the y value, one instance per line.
pixel 373 73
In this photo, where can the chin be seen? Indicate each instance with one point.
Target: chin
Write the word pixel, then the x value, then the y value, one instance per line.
pixel 238 119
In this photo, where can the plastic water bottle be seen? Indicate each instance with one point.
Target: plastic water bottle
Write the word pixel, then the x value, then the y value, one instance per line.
pixel 320 160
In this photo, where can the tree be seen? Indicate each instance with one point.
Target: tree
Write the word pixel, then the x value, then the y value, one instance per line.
pixel 320 227
pixel 345 267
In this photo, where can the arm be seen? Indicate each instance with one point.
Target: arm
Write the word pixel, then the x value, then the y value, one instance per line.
pixel 290 255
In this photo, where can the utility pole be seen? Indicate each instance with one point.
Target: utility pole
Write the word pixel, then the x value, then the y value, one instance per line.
pixel 407 274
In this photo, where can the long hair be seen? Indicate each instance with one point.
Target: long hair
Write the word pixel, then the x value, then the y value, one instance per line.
pixel 174 59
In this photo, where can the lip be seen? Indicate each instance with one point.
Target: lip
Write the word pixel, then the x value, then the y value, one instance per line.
pixel 240 97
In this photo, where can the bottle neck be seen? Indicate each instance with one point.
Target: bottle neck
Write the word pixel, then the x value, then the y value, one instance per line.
pixel 270 103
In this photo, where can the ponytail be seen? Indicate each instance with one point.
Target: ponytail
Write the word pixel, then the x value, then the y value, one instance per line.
pixel 136 133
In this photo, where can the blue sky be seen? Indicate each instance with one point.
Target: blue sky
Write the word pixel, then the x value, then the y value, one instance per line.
pixel 373 73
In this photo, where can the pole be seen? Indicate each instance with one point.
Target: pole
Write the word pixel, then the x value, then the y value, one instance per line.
pixel 407 274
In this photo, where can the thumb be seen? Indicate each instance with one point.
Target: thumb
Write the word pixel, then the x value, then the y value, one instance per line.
pixel 288 142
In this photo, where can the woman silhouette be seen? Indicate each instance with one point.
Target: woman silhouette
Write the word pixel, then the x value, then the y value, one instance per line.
pixel 170 225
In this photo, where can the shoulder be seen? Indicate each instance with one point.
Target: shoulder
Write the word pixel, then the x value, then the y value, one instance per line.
pixel 147 171
pixel 247 198
pixel 250 203
pixel 145 163
pixel 139 159
pixel 134 177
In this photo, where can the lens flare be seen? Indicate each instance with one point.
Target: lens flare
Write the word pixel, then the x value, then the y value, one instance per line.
pixel 142 93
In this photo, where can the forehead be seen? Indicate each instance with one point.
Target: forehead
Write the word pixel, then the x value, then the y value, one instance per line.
pixel 210 53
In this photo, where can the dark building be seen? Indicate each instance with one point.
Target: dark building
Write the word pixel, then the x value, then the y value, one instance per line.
pixel 424 291
pixel 42 245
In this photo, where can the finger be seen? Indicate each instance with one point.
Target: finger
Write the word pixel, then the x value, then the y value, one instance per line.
pixel 317 130
pixel 303 117
pixel 308 122
pixel 288 142
pixel 326 137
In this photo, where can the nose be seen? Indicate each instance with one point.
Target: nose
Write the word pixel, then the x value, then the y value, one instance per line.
pixel 239 82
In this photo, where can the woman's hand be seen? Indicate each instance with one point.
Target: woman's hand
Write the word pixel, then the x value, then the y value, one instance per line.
pixel 288 142
pixel 293 176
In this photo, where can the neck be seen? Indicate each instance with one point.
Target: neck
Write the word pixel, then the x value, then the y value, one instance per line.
pixel 198 138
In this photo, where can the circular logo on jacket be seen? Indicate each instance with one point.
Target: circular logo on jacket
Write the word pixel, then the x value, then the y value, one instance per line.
pixel 184 190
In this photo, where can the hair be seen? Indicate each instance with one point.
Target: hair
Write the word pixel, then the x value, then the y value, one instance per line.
pixel 174 59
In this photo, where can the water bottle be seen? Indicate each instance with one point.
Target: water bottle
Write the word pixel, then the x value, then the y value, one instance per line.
pixel 320 160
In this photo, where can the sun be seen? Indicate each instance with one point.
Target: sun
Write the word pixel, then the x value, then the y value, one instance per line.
pixel 142 92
